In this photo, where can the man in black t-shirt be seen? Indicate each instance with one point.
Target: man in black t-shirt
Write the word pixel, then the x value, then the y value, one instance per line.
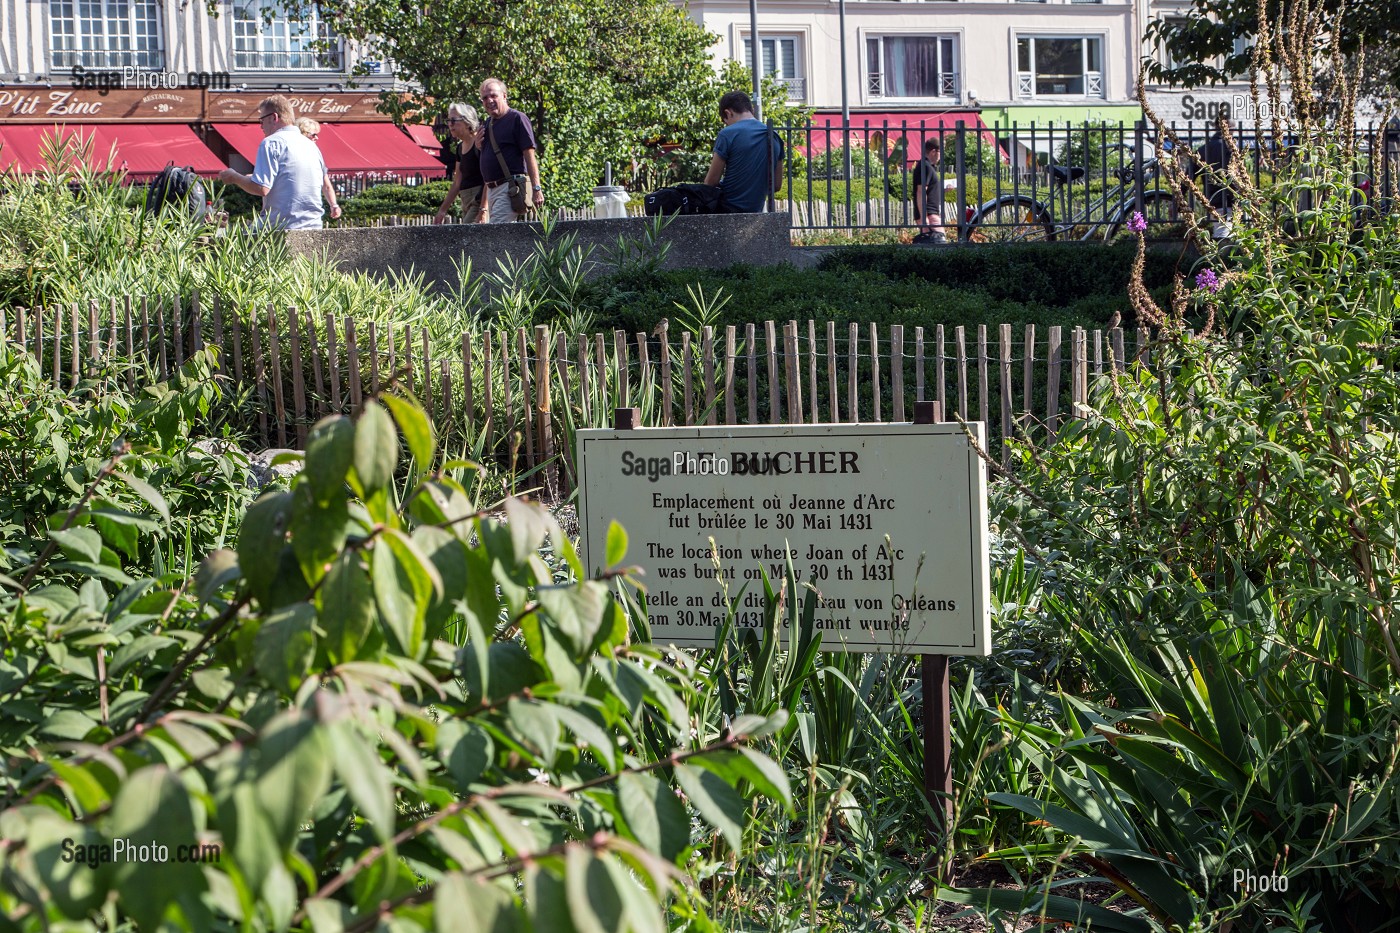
pixel 927 180
pixel 462 124
pixel 515 139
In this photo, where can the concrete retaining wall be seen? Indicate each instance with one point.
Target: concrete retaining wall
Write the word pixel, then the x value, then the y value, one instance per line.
pixel 704 242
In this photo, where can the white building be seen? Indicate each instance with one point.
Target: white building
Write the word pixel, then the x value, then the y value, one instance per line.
pixel 156 82
pixel 996 61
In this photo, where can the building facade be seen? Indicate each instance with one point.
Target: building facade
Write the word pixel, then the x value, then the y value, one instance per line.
pixel 1000 60
pixel 149 82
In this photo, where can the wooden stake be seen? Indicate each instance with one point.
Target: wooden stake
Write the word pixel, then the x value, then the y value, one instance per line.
pixel 751 349
pixel 707 342
pixel 897 369
pixel 352 363
pixel 298 379
pixel 853 371
pixel 668 402
pixel 918 364
pixel 687 376
pixel 730 337
pixel 275 373
pixel 960 344
pixel 333 363
pixel 771 341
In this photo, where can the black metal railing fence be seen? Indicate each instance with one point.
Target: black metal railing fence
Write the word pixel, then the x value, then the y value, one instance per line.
pixel 1031 181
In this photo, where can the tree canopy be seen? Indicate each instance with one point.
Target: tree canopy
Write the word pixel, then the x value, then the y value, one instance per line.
pixel 599 79
pixel 1204 40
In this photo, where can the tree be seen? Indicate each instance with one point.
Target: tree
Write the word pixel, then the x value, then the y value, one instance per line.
pixel 1204 38
pixel 599 79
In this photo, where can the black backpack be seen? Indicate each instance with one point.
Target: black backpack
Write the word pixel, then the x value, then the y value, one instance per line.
pixel 667 201
pixel 685 199
pixel 179 189
pixel 704 199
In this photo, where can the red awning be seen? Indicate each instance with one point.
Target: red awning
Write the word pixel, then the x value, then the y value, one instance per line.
pixel 143 149
pixel 425 138
pixel 357 148
pixel 348 148
pixel 243 137
pixel 918 125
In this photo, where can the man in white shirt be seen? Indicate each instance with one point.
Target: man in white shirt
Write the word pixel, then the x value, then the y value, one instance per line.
pixel 289 173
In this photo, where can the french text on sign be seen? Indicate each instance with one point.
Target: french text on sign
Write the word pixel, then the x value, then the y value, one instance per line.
pixel 886 522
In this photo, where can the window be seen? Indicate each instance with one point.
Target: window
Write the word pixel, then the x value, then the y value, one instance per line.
pixel 106 34
pixel 911 66
pixel 266 37
pixel 1051 66
pixel 779 58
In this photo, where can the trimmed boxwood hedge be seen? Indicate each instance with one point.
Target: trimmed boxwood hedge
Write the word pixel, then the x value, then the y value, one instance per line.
pixel 1044 284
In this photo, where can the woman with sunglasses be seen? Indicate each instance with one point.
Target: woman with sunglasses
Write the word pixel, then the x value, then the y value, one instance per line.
pixel 462 123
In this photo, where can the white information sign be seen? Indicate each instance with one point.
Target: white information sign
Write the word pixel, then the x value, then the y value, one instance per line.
pixel 887 522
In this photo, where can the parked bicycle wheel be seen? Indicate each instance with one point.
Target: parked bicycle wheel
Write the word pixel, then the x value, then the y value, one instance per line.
pixel 1160 209
pixel 1012 218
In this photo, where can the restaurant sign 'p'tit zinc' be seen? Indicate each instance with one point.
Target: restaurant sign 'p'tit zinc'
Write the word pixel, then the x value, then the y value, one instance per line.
pixel 887 522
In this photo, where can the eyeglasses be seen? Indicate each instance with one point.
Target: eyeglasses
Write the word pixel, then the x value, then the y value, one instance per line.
pixel 314 136
pixel 452 120
pixel 264 116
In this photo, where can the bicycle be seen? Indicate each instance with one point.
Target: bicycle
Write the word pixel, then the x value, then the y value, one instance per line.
pixel 1022 218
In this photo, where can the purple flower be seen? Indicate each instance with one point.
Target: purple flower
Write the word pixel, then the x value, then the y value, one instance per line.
pixel 1138 223
pixel 1208 281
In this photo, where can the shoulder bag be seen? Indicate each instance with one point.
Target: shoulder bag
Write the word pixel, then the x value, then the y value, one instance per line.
pixel 517 186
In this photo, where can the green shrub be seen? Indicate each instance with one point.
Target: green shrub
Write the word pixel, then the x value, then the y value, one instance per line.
pixel 296 712
pixel 55 444
pixel 1224 528
pixel 400 200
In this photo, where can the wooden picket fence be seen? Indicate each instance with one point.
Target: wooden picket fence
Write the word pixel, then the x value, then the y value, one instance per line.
pixel 518 396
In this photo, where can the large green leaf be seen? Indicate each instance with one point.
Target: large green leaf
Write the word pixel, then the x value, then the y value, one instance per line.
pixel 60 850
pixel 595 902
pixel 653 814
pixel 262 539
pixel 464 904
pixel 152 817
pixel 717 802
pixel 417 430
pixel 376 449
pixel 318 531
pixel 285 645
pixel 548 900
pixel 465 749
pixel 347 607
pixel 330 452
pixel 576 612
pixel 79 543
pixel 358 764
pixel 148 492
pixel 405 584
pixel 616 548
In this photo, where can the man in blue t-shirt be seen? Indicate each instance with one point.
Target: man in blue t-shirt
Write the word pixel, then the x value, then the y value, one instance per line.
pixel 747 156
